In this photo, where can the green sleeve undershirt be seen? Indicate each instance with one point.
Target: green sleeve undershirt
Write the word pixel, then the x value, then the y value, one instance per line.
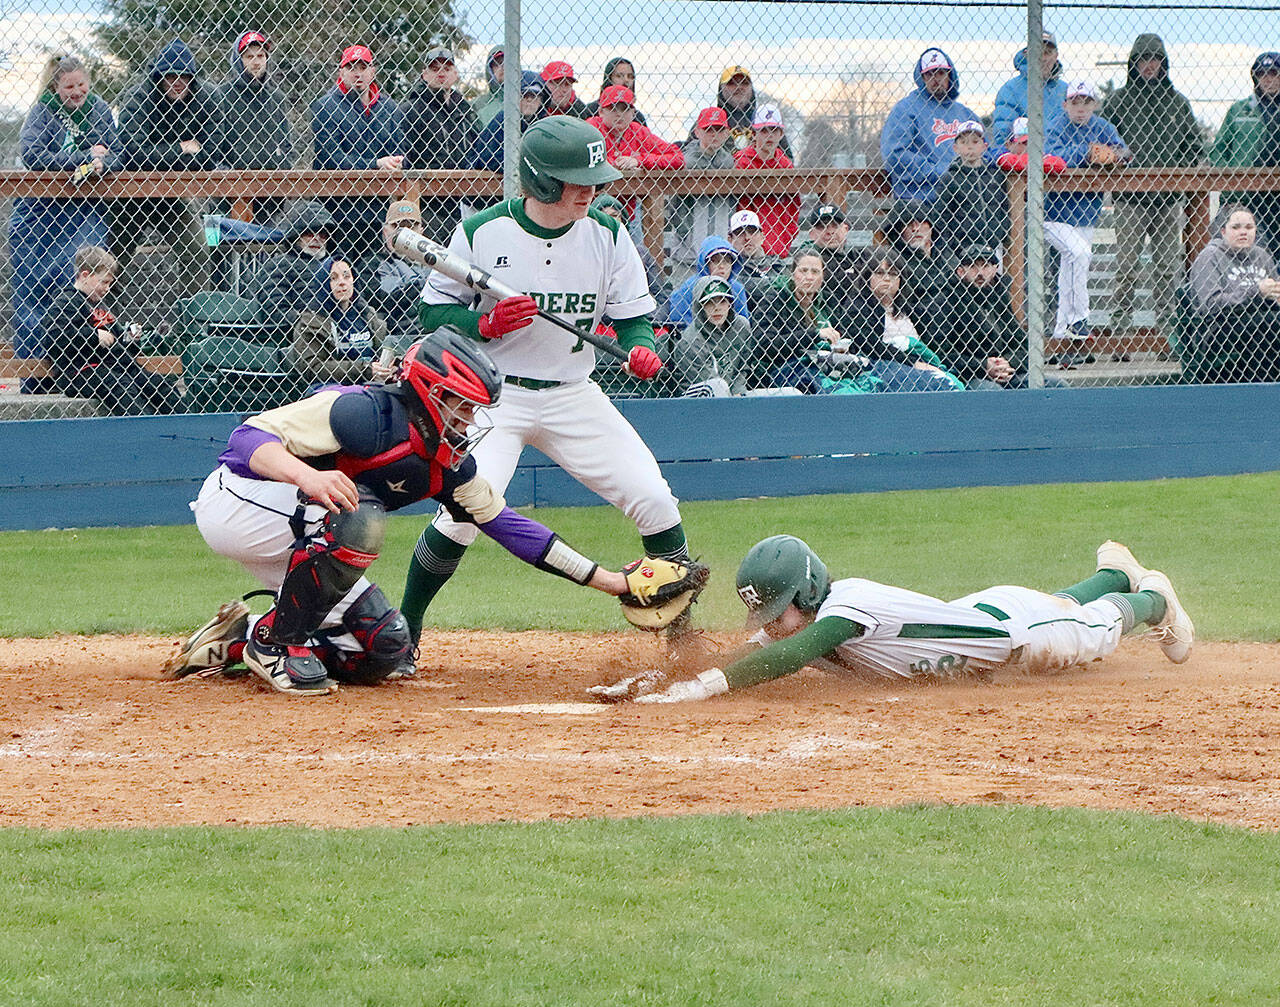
pixel 634 332
pixel 631 332
pixel 786 657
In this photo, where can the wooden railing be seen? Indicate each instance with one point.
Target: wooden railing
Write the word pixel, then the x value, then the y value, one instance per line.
pixel 651 188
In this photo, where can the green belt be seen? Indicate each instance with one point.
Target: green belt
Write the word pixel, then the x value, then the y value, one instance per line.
pixel 533 384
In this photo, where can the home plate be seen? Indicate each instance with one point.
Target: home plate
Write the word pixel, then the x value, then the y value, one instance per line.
pixel 555 709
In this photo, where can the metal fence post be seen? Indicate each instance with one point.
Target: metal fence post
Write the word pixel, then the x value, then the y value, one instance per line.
pixel 511 121
pixel 1035 196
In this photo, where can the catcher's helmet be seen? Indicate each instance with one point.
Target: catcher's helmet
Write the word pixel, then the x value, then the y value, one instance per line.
pixel 777 572
pixel 559 149
pixel 443 379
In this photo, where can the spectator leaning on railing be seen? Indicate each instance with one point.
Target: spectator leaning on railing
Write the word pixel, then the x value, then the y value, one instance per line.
pixel 68 129
pixel 559 78
pixel 628 145
pixel 439 130
pixel 1250 138
pixel 167 123
pixel 692 219
pixel 622 72
pixel 916 143
pixel 1160 131
pixel 1011 99
pixel 779 215
pixel 356 126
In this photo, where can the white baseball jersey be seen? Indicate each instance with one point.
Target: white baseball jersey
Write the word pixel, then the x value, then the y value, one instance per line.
pixel 578 273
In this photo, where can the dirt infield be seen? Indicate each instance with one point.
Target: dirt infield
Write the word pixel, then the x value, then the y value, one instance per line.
pixel 89 736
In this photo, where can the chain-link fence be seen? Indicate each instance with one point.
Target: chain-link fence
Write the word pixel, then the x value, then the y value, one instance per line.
pixel 827 198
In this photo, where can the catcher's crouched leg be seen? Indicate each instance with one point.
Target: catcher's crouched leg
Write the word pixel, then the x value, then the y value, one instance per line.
pixel 383 634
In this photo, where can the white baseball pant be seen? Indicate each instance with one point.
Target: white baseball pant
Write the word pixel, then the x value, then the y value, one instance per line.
pixel 1075 246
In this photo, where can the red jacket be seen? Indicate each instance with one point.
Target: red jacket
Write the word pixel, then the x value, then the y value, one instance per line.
pixel 641 143
pixel 779 215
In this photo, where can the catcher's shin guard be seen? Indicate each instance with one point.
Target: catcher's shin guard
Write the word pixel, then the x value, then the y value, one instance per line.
pixel 382 633
pixel 323 569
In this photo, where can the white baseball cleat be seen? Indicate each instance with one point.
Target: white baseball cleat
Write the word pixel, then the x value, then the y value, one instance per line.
pixel 1175 632
pixel 1114 556
pixel 288 669
pixel 205 650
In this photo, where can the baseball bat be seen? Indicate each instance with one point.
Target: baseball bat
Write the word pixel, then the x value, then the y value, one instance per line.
pixel 415 247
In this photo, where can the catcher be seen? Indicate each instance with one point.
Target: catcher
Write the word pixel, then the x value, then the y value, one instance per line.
pixel 300 498
pixel 874 630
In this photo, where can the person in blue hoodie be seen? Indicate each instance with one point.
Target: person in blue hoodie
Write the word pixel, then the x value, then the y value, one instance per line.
pixel 72 130
pixel 1081 138
pixel 716 257
pixel 1011 99
pixel 357 127
pixel 916 142
pixel 486 150
pixel 167 123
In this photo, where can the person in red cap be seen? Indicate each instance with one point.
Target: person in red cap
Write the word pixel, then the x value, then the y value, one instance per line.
pixel 356 126
pixel 693 219
pixel 561 98
pixel 619 70
pixel 779 215
pixel 628 145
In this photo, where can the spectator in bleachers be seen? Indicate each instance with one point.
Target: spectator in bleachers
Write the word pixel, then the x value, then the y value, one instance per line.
pixel 1070 217
pixel 695 218
pixel 68 129
pixel 973 204
pixel 622 72
pixel 439 130
pixel 747 238
pixel 779 215
pixel 1011 99
pixel 489 104
pixel 877 326
pixel 972 327
pixel 790 321
pixel 737 96
pixel 94 356
pixel 829 234
pixel 909 230
pixel 1250 138
pixel 916 143
pixel 397 286
pixel 1161 131
pixel 1237 294
pixel 486 152
pixel 559 78
pixel 716 257
pixel 628 145
pixel 357 127
pixel 252 130
pixel 290 278
pixel 337 336
pixel 167 124
pixel 659 288
pixel 713 354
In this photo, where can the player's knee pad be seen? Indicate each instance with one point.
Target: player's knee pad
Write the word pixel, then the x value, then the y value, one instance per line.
pixel 382 633
pixel 323 569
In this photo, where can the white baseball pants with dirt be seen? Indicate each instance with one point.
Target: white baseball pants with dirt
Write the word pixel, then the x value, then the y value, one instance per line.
pixel 578 428
pixel 1053 632
pixel 1075 247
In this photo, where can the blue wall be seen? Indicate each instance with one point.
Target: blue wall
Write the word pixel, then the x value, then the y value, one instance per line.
pixel 144 470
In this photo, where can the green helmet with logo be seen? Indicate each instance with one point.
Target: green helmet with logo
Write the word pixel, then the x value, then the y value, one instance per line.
pixel 559 149
pixel 777 572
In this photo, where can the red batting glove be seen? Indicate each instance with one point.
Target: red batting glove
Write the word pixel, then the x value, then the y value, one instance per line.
pixel 1010 161
pixel 1054 164
pixel 508 314
pixel 642 363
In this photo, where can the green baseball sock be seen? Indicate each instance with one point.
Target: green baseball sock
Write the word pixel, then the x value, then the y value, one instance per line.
pixel 1092 588
pixel 435 557
pixel 669 544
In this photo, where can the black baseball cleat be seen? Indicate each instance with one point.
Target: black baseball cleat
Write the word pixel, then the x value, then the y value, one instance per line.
pixel 289 669
pixel 206 650
pixel 406 667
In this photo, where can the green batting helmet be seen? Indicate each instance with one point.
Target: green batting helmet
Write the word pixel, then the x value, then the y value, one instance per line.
pixel 559 149
pixel 778 571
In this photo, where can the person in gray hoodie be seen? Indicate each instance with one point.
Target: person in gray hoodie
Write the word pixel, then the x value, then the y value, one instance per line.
pixel 713 355
pixel 1237 297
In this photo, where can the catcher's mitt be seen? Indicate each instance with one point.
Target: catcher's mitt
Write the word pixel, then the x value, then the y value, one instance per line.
pixel 659 590
pixel 1103 155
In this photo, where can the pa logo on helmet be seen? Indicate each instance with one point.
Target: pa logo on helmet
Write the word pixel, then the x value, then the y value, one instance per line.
pixel 595 153
pixel 750 596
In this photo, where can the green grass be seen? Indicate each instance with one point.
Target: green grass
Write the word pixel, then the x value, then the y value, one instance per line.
pixel 922 905
pixel 1215 537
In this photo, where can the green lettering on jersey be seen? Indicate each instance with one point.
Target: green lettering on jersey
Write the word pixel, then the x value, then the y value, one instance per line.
pixel 555 302
pixel 539 298
pixel 571 302
pixel 588 303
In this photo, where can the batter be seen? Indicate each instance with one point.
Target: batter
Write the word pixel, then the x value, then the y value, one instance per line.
pixel 577 263
pixel 861 627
